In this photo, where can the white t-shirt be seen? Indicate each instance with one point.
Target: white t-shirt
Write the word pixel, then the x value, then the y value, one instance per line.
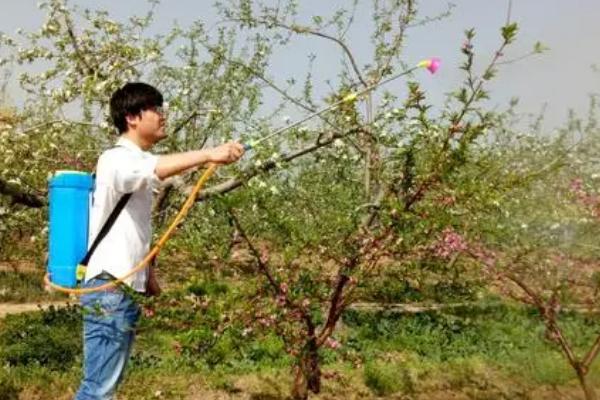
pixel 120 170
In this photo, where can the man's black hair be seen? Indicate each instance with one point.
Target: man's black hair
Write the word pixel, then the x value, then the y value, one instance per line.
pixel 132 99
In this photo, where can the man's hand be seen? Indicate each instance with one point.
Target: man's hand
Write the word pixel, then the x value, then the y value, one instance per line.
pixel 226 153
pixel 172 164
pixel 152 287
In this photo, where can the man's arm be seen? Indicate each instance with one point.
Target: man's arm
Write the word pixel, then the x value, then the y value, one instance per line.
pixel 173 164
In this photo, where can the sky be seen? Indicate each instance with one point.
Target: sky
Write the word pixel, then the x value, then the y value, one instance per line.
pixel 556 81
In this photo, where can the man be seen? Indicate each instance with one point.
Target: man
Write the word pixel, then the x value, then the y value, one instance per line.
pixel 111 315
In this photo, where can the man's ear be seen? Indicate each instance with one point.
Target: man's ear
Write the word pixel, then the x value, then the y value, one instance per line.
pixel 132 120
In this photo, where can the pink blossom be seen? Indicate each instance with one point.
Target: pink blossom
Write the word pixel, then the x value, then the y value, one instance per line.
pixel 149 312
pixel 330 375
pixel 447 200
pixel 283 287
pixel 588 200
pixel 487 257
pixel 332 343
pixel 449 243
pixel 264 256
pixel 576 185
pixel 280 300
pixel 177 347
pixel 267 321
pixel 296 314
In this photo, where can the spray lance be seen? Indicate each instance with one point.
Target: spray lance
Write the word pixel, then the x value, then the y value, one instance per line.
pixel 431 64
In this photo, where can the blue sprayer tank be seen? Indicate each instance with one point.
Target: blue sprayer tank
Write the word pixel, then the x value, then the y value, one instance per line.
pixel 70 196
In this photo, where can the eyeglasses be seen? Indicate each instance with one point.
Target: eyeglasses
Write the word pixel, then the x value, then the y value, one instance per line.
pixel 162 110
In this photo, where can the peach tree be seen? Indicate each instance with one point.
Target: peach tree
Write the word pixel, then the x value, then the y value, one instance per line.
pixel 323 212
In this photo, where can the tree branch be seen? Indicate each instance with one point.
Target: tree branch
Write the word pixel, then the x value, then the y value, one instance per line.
pixel 262 77
pixel 261 264
pixel 398 39
pixel 345 48
pixel 234 183
pixel 78 53
pixel 18 196
pixel 269 83
pixel 306 30
pixel 591 355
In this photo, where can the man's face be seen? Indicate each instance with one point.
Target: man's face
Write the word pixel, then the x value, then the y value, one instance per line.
pixel 150 124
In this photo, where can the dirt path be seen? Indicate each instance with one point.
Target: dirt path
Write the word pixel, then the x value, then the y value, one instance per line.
pixel 16 308
pixel 19 266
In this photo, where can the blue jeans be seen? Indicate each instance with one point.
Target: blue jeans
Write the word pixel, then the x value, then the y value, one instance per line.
pixel 109 320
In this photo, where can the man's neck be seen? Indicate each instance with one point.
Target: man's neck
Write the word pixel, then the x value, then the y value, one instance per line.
pixel 134 137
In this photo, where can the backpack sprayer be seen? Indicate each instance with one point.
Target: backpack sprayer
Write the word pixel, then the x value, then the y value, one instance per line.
pixel 70 194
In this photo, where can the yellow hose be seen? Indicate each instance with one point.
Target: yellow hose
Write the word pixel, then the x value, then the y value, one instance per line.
pixel 161 242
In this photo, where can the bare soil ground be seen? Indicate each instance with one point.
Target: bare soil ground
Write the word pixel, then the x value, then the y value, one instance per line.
pixel 12 308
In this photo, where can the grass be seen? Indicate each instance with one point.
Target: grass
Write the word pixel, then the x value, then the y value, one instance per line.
pixel 22 287
pixel 494 351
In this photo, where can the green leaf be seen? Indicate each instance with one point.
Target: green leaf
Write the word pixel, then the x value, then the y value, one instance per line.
pixel 509 32
pixel 470 33
pixel 539 48
pixel 489 74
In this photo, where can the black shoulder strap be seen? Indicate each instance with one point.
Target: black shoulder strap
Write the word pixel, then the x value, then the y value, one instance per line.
pixel 106 227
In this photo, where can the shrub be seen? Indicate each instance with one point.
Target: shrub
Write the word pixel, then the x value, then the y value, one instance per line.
pixel 50 338
pixel 23 286
pixel 385 378
pixel 8 388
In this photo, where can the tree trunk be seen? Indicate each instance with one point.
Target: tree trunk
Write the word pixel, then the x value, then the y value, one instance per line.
pixel 588 391
pixel 300 389
pixel 19 196
pixel 308 373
